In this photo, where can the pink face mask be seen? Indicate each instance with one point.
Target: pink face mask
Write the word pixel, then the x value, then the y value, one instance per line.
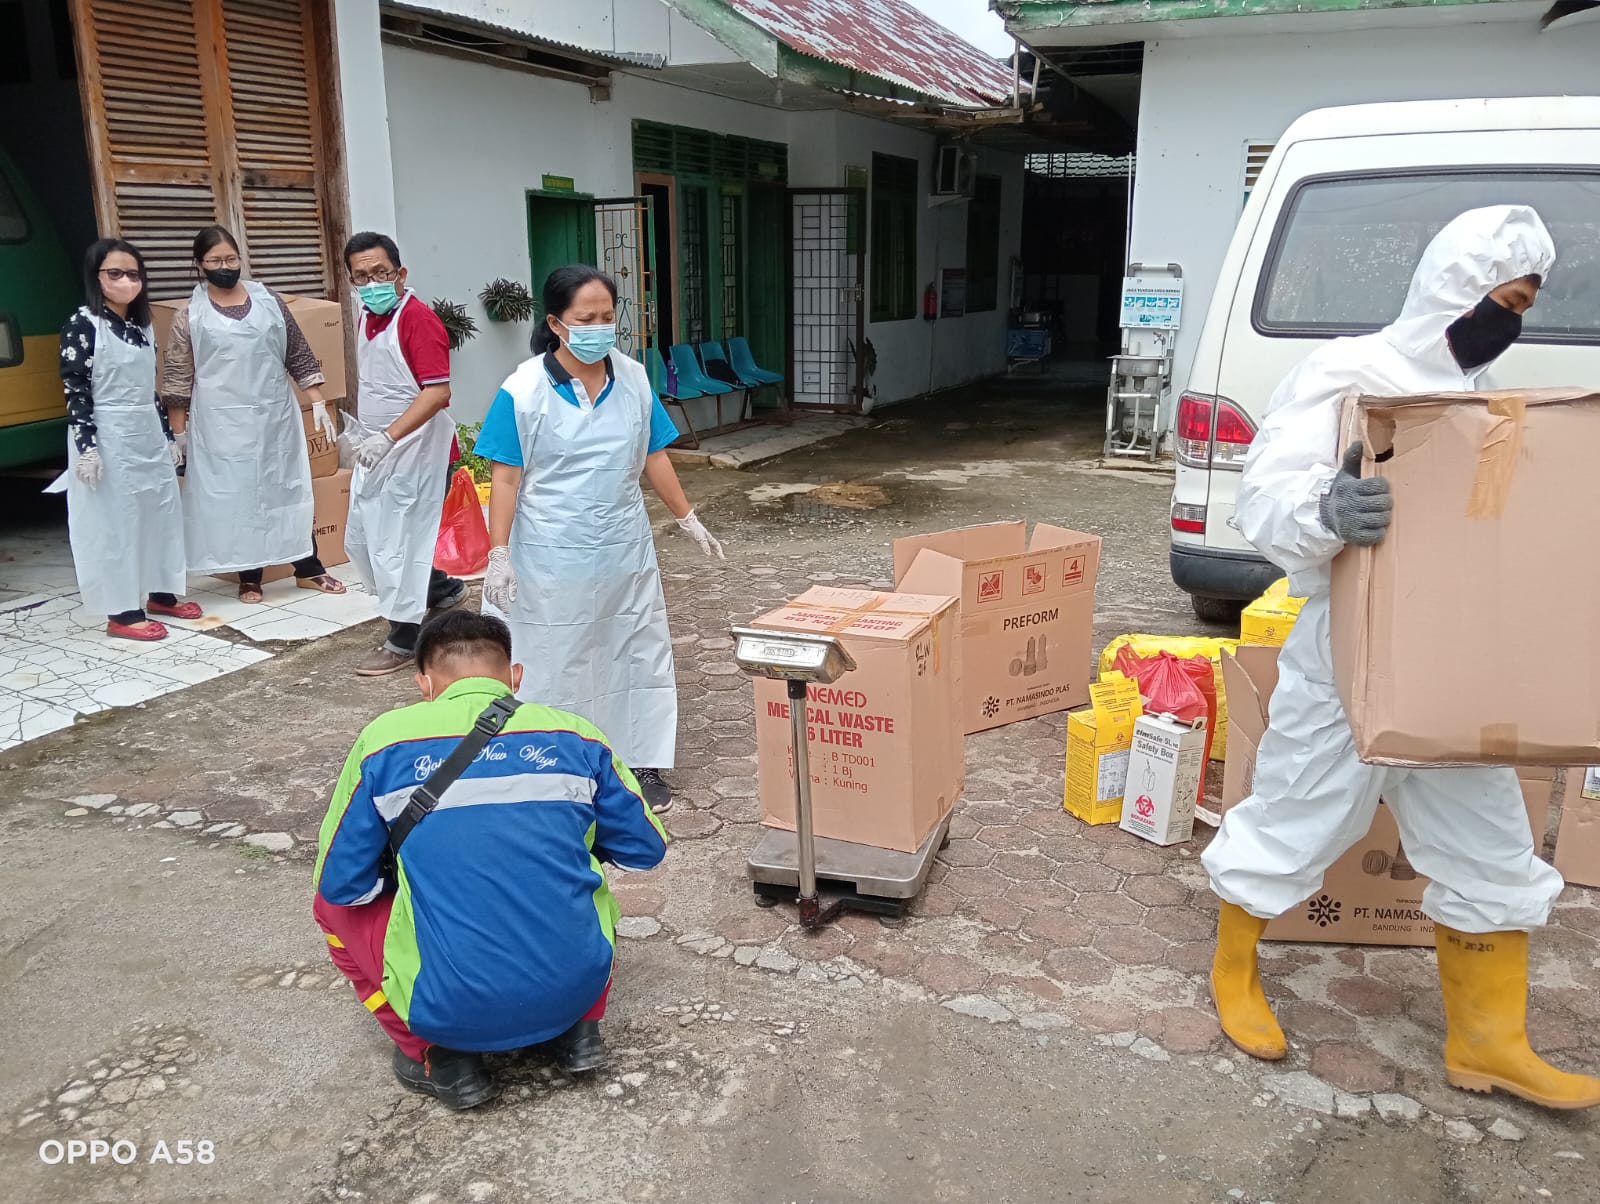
pixel 121 291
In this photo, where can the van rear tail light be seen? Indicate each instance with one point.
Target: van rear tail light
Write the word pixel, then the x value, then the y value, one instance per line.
pixel 1212 432
pixel 1191 520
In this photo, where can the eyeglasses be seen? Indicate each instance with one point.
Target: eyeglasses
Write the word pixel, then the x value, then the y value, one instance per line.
pixel 212 265
pixel 375 276
pixel 117 275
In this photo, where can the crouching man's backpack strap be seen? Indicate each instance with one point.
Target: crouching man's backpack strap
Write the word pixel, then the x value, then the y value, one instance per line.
pixel 426 796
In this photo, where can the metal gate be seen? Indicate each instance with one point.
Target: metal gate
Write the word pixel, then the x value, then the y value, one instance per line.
pixel 827 290
pixel 624 251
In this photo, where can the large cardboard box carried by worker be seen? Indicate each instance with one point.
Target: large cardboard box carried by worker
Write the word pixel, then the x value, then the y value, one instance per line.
pixel 1026 613
pixel 887 757
pixel 1468 636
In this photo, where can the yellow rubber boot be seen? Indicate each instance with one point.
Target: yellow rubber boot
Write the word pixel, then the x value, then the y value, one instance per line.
pixel 1484 977
pixel 1236 986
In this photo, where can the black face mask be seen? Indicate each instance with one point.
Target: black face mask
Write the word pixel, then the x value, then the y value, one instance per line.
pixel 223 277
pixel 1483 335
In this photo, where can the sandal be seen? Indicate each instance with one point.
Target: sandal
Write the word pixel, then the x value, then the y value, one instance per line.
pixel 323 583
pixel 178 610
pixel 250 593
pixel 147 632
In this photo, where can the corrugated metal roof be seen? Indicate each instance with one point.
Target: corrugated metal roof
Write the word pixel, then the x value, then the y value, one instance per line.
pixel 889 39
pixel 519 20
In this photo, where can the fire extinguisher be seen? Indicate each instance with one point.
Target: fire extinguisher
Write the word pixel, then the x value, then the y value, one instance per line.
pixel 930 304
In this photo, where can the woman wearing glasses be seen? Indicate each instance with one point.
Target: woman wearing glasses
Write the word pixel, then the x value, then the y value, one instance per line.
pixel 123 512
pixel 226 371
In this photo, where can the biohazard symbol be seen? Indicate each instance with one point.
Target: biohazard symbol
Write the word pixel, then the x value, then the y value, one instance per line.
pixel 1324 911
pixel 1145 806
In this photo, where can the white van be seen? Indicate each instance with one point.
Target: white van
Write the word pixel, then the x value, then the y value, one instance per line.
pixel 1326 246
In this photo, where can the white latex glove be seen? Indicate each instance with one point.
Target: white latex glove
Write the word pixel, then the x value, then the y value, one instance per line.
pixel 500 580
pixel 90 468
pixel 179 447
pixel 322 420
pixel 371 452
pixel 696 530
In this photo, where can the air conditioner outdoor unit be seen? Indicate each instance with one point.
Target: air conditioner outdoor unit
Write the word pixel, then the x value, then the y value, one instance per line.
pixel 955 171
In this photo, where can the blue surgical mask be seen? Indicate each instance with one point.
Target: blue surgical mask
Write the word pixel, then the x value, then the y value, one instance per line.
pixel 380 298
pixel 591 344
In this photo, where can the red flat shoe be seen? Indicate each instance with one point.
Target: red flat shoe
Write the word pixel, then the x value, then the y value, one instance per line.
pixel 183 610
pixel 147 632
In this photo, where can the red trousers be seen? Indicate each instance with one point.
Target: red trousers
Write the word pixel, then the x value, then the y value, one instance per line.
pixel 355 943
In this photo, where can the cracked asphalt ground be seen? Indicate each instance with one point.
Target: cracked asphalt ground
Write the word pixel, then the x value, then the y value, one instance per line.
pixel 1040 1029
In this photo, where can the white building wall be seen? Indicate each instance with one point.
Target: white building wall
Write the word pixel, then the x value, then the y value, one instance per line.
pixel 365 110
pixel 469 141
pixel 1204 98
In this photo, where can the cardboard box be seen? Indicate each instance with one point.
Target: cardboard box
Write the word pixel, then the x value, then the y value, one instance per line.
pixel 323 451
pixel 1166 772
pixel 330 510
pixel 1026 614
pixel 322 322
pixel 1267 621
pixel 1372 895
pixel 1578 840
pixel 1251 674
pixel 1453 642
pixel 1210 647
pixel 1099 740
pixel 887 757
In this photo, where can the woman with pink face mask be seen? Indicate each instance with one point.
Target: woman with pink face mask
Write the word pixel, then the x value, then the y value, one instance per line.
pixel 123 508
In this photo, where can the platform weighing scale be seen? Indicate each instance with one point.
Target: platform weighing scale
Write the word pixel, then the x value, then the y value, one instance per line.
pixel 824 877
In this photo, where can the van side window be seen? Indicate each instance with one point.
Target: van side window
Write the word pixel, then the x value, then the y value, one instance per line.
pixel 1345 248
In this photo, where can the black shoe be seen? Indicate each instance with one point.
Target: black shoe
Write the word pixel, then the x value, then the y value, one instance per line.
pixel 457 1080
pixel 656 791
pixel 452 593
pixel 581 1048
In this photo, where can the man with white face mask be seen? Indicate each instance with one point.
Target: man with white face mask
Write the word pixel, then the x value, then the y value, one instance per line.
pixel 404 447
pixel 1466 829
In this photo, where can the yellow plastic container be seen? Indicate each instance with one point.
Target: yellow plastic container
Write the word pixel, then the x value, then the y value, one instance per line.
pixel 483 492
pixel 1268 620
pixel 1099 739
pixel 1210 647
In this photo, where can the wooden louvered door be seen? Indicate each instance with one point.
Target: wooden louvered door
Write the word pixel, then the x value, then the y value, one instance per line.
pixel 202 111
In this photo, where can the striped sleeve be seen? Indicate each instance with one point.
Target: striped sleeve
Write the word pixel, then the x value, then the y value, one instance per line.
pixel 353 838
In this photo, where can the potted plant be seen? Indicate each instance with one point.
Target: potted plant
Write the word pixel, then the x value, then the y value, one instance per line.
pixel 507 301
pixel 457 321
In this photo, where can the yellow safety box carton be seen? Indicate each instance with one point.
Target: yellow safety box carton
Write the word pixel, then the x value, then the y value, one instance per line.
pixel 1099 738
pixel 1266 622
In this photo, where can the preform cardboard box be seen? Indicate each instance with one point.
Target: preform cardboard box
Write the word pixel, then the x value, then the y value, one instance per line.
pixel 1026 610
pixel 1453 642
pixel 1166 771
pixel 1373 896
pixel 331 510
pixel 1099 739
pixel 322 322
pixel 1578 840
pixel 887 757
pixel 1250 674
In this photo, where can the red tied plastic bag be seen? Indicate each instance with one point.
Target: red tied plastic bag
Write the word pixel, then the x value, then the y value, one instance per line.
pixel 463 547
pixel 1184 686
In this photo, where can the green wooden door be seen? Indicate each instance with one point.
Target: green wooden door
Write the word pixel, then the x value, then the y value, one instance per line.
pixel 767 296
pixel 561 230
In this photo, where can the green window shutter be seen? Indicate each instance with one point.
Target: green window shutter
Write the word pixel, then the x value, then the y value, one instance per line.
pixel 893 230
pixel 983 246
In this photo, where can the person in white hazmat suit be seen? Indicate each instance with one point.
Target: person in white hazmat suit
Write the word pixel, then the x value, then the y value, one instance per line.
pixel 1466 829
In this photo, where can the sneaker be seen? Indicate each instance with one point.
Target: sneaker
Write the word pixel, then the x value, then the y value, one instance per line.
pixel 382 662
pixel 452 596
pixel 656 791
pixel 581 1048
pixel 457 1080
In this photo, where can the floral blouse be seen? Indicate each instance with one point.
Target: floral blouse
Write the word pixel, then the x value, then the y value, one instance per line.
pixel 77 371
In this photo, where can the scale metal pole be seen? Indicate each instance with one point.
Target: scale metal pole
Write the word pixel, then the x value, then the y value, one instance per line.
pixel 804 834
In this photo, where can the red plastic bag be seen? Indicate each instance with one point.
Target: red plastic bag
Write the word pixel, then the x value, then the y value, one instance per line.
pixel 1184 686
pixel 463 547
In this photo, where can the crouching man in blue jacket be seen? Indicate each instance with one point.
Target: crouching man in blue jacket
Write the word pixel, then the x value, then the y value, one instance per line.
pixel 493 927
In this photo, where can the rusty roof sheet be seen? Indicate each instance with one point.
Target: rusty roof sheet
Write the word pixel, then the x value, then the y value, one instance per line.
pixel 889 39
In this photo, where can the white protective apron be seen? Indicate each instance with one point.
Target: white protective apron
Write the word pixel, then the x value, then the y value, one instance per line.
pixel 589 625
pixel 127 532
pixel 395 510
pixel 247 484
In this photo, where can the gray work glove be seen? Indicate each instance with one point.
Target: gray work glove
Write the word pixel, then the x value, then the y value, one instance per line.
pixel 1357 509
